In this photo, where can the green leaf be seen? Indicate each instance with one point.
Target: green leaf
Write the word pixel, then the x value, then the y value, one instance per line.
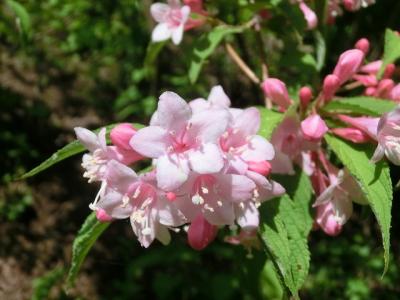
pixel 206 45
pixel 87 236
pixel 67 151
pixel 287 222
pixel 269 121
pixel 392 50
pixel 152 52
pixel 43 285
pixel 320 46
pixel 360 105
pixel 22 18
pixel 375 182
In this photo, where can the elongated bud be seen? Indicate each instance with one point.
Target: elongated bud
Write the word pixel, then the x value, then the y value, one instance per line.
pixel 395 93
pixel 363 45
pixel 352 5
pixel 384 88
pixel 305 95
pixel 366 80
pixel 102 216
pixel 201 233
pixel 331 85
pixel 372 67
pixel 352 134
pixel 368 125
pixel 260 167
pixel 348 64
pixel 121 135
pixel 276 90
pixel 389 70
pixel 309 15
pixel 313 128
pixel 370 91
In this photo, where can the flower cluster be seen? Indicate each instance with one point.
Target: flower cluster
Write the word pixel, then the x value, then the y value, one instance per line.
pixel 209 170
pixel 298 138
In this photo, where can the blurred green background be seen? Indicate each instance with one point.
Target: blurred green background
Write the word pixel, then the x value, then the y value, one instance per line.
pixel 84 63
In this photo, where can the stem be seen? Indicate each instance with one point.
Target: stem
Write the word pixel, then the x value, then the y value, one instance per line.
pixel 241 64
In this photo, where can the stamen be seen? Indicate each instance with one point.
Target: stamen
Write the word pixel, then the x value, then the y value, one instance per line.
pixel 197 199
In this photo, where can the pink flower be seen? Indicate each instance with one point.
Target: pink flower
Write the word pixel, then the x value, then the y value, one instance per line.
pixel 120 136
pixel 181 141
pixel 388 136
pixel 328 220
pixel 172 18
pixel 309 15
pixel 348 64
pixel 216 99
pixel 305 95
pixel 276 90
pixel 395 93
pixel 313 128
pixel 330 86
pixel 95 163
pixel 201 233
pixel 138 198
pixel 363 45
pixel 213 196
pixel 102 216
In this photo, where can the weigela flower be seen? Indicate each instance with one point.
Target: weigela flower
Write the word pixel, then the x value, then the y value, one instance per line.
pixel 276 90
pixel 172 18
pixel 388 136
pixel 182 141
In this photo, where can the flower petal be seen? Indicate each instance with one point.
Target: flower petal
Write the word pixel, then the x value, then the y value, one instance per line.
pixel 248 122
pixel 259 149
pixel 161 33
pixel 172 172
pixel 151 141
pixel 208 126
pixel 248 216
pixel 207 159
pixel 173 112
pixel 87 138
pixel 159 12
pixel 218 98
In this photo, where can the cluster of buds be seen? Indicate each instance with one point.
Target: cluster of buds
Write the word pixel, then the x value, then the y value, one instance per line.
pixel 334 9
pixel 210 169
pixel 298 138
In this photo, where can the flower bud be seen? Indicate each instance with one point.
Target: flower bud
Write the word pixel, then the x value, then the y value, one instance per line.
pixel 368 125
pixel 348 64
pixel 372 67
pixel 102 216
pixel 331 85
pixel 370 91
pixel 260 167
pixel 201 233
pixel 395 93
pixel 352 134
pixel 309 15
pixel 121 135
pixel 327 221
pixel 352 5
pixel 363 45
pixel 305 95
pixel 389 70
pixel 276 90
pixel 313 128
pixel 384 88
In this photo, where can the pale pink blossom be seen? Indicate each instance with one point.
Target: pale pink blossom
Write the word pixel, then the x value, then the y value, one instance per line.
pixel 172 18
pixel 368 125
pixel 181 141
pixel 388 136
pixel 216 99
pixel 138 198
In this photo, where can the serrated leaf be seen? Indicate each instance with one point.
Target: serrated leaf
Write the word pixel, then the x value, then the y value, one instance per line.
pixel 375 182
pixel 87 236
pixel 22 18
pixel 392 50
pixel 269 121
pixel 67 151
pixel 206 45
pixel 286 225
pixel 360 105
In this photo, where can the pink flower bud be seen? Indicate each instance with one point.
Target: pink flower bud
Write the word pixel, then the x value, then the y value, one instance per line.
pixel 121 135
pixel 352 5
pixel 348 64
pixel 370 91
pixel 260 167
pixel 102 216
pixel 331 85
pixel 305 95
pixel 384 88
pixel 201 233
pixel 395 93
pixel 389 70
pixel 327 221
pixel 313 128
pixel 368 125
pixel 352 134
pixel 363 45
pixel 372 67
pixel 367 80
pixel 309 15
pixel 276 90
pixel 171 196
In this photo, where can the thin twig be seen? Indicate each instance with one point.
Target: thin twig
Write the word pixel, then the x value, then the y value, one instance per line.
pixel 241 64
